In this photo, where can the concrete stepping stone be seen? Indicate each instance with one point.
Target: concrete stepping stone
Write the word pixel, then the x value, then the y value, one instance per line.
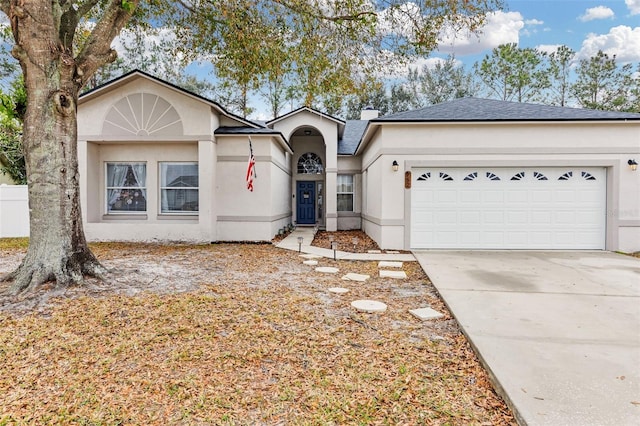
pixel 374 251
pixel 392 252
pixel 369 306
pixel 355 277
pixel 401 275
pixel 311 262
pixel 338 290
pixel 311 256
pixel 425 313
pixel 388 264
pixel 327 269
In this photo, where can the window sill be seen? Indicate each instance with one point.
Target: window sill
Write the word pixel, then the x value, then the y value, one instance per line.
pixel 124 217
pixel 178 216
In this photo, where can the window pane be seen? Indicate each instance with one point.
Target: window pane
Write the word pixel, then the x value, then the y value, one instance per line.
pixel 309 163
pixel 126 190
pixel 179 187
pixel 345 183
pixel 345 202
pixel 179 200
pixel 178 175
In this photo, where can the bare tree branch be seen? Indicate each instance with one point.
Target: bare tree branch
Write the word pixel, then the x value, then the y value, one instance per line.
pixel 97 50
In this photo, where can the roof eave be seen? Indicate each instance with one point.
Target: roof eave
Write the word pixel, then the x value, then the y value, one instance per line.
pixel 303 109
pixel 277 135
pixel 125 78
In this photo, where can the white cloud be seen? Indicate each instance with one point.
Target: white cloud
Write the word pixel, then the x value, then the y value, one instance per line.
pixel 548 48
pixel 534 22
pixel 598 12
pixel 500 28
pixel 634 6
pixel 430 63
pixel 622 41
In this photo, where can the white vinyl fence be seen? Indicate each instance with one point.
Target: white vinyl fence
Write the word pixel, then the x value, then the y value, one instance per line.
pixel 14 211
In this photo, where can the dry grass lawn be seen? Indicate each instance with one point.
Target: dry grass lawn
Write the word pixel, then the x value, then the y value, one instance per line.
pixel 234 334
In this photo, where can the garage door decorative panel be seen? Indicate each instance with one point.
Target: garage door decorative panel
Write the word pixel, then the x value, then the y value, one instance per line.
pixel 500 208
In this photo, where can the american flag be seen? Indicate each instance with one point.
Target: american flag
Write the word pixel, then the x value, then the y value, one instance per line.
pixel 251 168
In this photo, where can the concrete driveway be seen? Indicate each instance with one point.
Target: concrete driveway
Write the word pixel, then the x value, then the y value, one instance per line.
pixel 558 331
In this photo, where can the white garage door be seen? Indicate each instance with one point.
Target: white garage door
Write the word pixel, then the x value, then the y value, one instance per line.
pixel 500 208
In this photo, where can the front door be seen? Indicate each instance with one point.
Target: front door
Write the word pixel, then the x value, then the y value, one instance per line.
pixel 306 203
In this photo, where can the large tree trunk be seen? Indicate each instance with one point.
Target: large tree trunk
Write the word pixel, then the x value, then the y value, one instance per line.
pixel 44 32
pixel 57 247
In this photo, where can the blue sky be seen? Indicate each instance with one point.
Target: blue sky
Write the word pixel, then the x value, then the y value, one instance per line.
pixel 584 25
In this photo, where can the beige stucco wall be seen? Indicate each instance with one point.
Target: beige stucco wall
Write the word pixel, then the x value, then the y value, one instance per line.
pixel 606 144
pixel 138 227
pixel 243 215
pixel 227 210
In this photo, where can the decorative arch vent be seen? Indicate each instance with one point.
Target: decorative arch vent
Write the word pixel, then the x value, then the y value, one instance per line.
pixel 310 164
pixel 142 114
pixel 445 176
pixel 588 176
pixel 425 176
pixel 471 176
pixel 539 176
pixel 518 176
pixel 566 176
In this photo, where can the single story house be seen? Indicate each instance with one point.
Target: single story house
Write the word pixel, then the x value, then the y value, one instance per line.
pixel 161 163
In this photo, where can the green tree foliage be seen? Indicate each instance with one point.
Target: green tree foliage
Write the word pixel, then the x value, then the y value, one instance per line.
pixel 321 49
pixel 559 66
pixel 12 109
pixel 370 94
pixel 402 98
pixel 601 84
pixel 445 81
pixel 513 73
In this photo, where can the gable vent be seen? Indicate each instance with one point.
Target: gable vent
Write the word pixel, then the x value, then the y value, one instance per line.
pixel 142 114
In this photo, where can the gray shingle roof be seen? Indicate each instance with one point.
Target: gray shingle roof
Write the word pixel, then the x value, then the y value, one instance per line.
pixel 476 109
pixel 353 131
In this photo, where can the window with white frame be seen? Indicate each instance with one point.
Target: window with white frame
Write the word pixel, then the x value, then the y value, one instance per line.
pixel 345 193
pixel 126 187
pixel 178 187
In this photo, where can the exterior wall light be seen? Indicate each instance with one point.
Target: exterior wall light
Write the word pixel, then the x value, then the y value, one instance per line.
pixel 395 166
pixel 633 164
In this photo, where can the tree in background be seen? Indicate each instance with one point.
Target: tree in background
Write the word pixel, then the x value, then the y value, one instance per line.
pixel 445 81
pixel 370 94
pixel 559 66
pixel 511 73
pixel 319 49
pixel 12 109
pixel 601 84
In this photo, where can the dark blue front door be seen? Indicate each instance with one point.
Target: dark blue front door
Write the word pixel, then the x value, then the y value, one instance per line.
pixel 306 204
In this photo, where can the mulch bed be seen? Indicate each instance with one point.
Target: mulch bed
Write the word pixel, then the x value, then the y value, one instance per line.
pixel 234 334
pixel 353 241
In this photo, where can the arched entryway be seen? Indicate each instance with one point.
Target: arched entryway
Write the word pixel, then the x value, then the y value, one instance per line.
pixel 309 166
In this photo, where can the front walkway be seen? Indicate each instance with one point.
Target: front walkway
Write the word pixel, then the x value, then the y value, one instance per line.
pixel 307 234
